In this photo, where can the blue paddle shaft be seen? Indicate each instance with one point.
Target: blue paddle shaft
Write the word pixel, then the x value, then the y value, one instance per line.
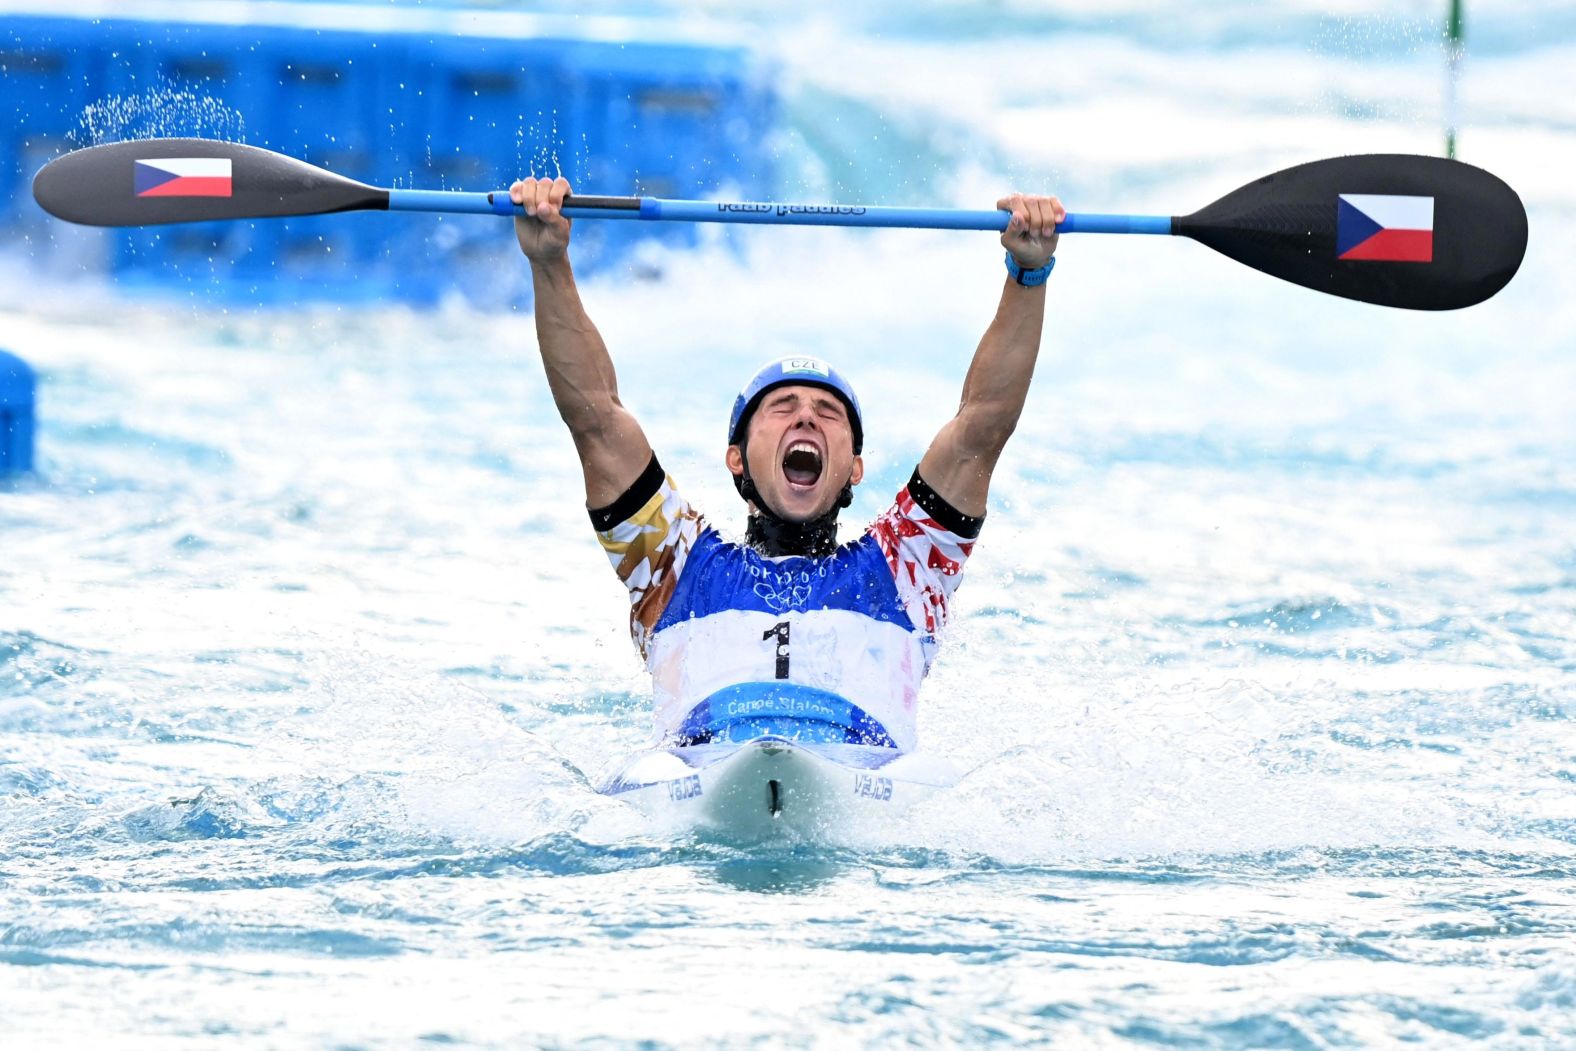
pixel 771 214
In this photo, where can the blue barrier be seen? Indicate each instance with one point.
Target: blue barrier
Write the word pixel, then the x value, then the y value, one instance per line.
pixel 49 74
pixel 17 391
pixel 661 121
pixel 474 113
pixel 49 78
pixel 310 83
pixel 412 108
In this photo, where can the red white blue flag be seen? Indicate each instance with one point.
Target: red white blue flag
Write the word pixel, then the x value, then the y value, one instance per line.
pixel 1377 227
pixel 183 177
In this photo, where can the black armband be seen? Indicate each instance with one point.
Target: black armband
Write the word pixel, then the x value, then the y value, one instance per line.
pixel 949 517
pixel 632 499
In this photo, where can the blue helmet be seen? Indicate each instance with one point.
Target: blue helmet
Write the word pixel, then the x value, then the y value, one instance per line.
pixel 794 371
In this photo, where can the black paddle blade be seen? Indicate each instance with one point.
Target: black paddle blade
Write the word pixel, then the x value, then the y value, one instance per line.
pixel 152 181
pixel 1398 230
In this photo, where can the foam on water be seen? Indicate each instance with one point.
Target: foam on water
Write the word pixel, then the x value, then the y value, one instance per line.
pixel 1263 676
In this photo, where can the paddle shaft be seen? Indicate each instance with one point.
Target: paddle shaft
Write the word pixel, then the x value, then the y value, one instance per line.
pixel 772 214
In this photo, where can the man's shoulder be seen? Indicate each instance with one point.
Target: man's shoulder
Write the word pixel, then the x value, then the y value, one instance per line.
pixel 919 509
pixel 651 504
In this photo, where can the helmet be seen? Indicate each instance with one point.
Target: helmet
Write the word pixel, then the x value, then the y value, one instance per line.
pixel 812 372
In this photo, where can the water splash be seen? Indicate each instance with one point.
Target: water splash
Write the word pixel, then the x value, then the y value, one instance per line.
pixel 540 148
pixel 165 111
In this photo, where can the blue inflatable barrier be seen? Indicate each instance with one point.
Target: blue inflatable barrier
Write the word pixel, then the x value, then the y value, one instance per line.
pixel 17 393
pixel 432 103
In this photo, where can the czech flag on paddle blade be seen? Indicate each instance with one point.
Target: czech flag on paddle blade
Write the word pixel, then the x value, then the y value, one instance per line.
pixel 1377 227
pixel 184 177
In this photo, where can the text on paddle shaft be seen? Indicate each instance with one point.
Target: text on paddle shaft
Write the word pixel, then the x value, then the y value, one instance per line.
pixel 781 632
pixel 792 209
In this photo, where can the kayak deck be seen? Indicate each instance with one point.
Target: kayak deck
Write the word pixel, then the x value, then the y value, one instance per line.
pixel 772 785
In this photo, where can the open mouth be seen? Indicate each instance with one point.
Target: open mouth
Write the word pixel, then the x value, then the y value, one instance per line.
pixel 802 464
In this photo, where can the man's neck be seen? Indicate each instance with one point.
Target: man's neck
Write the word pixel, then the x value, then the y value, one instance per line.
pixel 775 537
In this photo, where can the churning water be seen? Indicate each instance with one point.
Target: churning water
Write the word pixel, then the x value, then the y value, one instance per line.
pixel 1264 675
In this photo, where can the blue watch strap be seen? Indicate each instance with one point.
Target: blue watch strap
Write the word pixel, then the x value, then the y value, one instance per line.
pixel 1030 278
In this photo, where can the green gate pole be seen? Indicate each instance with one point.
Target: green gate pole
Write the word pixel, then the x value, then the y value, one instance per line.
pixel 1453 52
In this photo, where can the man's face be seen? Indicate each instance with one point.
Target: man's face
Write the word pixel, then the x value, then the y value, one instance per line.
pixel 801 451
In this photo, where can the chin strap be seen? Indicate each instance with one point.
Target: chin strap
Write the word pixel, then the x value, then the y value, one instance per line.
pixel 773 536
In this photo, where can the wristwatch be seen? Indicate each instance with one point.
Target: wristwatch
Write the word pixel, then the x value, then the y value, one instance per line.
pixel 1030 278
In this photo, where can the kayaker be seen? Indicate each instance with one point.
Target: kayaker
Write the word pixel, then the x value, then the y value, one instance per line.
pixel 787 632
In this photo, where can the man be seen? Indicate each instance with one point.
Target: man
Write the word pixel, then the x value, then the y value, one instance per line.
pixel 787 633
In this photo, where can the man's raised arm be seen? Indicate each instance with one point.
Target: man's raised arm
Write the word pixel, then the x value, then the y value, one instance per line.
pixel 613 449
pixel 960 460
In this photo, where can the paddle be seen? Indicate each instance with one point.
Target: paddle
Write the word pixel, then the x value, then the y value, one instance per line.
pixel 1393 229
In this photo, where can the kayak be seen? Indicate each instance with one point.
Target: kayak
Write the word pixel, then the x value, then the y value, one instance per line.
pixel 772 786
